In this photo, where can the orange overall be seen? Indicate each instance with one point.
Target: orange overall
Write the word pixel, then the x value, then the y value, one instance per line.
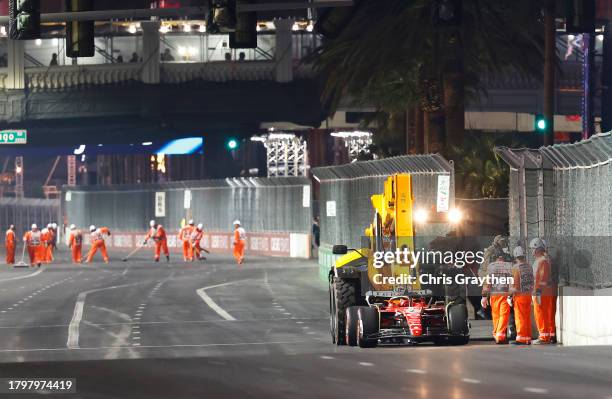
pixel 194 244
pixel 158 234
pixel 545 310
pixel 49 240
pixel 183 236
pixel 522 289
pixel 36 249
pixel 75 242
pixel 239 241
pixel 9 243
pixel 97 242
pixel 500 309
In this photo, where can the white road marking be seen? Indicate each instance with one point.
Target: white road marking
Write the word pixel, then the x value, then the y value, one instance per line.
pixel 212 304
pixel 416 371
pixel 470 380
pixel 366 364
pixel 156 346
pixel 535 390
pixel 77 315
pixel 327 357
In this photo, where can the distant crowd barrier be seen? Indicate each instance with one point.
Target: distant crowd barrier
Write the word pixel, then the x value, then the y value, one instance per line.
pixel 276 213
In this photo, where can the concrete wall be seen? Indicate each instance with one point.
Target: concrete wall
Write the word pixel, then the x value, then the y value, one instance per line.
pixel 583 316
pixel 264 244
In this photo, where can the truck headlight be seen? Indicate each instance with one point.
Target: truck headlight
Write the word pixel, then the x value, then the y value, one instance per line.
pixel 455 216
pixel 421 216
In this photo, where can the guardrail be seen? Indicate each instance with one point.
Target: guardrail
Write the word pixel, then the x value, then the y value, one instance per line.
pixel 66 77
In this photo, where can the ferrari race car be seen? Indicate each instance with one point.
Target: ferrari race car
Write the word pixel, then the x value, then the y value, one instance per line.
pixel 405 319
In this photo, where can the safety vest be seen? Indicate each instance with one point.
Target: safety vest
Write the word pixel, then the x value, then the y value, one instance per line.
pixel 35 238
pixel 523 278
pixel 96 235
pixel 241 233
pixel 78 237
pixel 196 236
pixel 186 233
pixel 543 276
pixel 499 272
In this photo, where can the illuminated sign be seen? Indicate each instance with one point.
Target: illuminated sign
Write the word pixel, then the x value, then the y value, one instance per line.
pixel 13 137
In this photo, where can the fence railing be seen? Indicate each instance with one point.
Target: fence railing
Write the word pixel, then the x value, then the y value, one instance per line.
pixel 74 76
pixel 563 193
pixel 262 205
pixel 22 212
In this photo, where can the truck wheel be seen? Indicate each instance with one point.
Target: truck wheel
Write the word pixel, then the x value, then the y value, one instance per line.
pixel 458 324
pixel 352 320
pixel 342 297
pixel 368 324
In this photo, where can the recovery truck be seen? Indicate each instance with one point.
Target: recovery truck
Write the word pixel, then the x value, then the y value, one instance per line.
pixel 366 311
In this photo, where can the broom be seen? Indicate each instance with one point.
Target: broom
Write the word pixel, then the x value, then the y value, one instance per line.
pixel 21 263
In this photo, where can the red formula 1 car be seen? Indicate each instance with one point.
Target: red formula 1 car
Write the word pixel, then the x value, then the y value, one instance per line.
pixel 406 319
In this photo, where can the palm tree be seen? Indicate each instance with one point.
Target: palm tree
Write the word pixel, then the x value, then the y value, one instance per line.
pixel 392 55
pixel 479 171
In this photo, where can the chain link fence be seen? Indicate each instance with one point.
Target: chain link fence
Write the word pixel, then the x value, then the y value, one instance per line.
pixel 563 193
pixel 262 205
pixel 345 191
pixel 22 212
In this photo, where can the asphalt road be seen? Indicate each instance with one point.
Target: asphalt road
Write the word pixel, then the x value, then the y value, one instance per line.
pixel 140 329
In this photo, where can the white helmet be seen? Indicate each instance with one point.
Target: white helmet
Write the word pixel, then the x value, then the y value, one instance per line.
pixel 518 252
pixel 200 226
pixel 92 228
pixel 72 227
pixel 152 223
pixel 537 243
pixel 34 226
pixel 55 225
pixel 50 226
pixel 190 222
pixel 236 222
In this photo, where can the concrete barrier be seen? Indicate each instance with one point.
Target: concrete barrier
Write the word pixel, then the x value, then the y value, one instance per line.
pixel 583 316
pixel 264 244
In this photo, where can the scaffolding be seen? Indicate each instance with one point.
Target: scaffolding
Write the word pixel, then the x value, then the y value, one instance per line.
pixel 287 154
pixel 357 143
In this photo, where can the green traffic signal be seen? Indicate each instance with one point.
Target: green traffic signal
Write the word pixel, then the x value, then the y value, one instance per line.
pixel 231 144
pixel 540 123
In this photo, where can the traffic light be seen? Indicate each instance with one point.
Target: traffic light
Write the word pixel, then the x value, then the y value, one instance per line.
pixel 580 16
pixel 232 144
pixel 80 34
pixel 24 19
pixel 541 123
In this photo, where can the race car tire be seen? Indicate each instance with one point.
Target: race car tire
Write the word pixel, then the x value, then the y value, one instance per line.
pixel 342 297
pixel 457 319
pixel 458 324
pixel 369 323
pixel 351 322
